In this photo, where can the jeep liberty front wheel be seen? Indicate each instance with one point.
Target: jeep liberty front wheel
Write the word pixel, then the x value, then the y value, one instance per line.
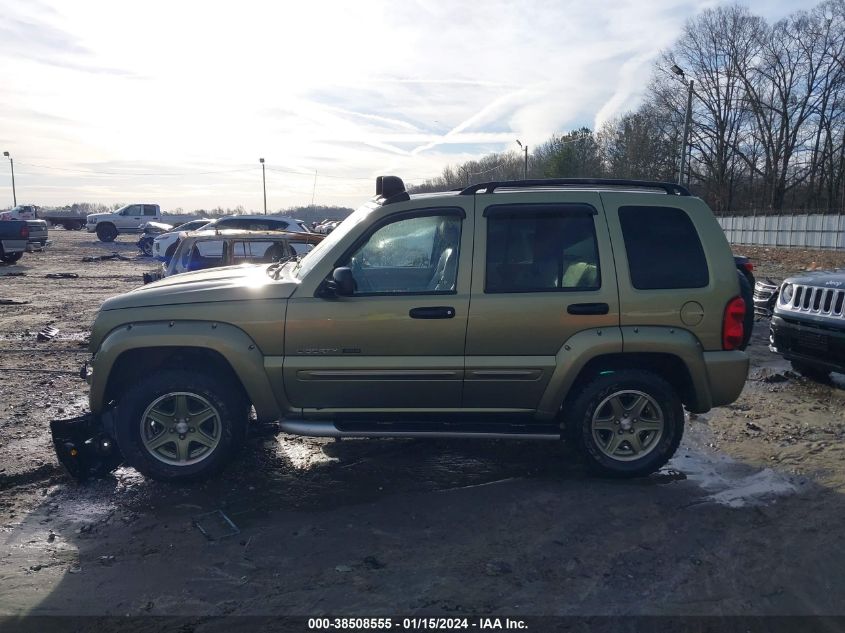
pixel 629 423
pixel 179 425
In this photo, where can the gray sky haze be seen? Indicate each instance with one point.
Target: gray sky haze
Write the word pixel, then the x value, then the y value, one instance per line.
pixel 174 101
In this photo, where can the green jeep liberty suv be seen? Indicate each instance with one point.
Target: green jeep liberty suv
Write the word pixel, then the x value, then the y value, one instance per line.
pixel 589 310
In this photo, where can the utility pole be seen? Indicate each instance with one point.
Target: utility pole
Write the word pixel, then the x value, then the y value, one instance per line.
pixel 679 71
pixel 12 165
pixel 525 168
pixel 263 184
pixel 314 190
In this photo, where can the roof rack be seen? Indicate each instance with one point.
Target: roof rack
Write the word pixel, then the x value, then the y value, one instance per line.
pixel 670 188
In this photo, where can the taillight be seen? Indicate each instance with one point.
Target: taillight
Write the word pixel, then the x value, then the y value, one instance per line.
pixel 733 327
pixel 25 231
pixel 748 266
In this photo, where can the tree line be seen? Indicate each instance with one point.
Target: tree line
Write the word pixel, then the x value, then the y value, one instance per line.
pixel 767 118
pixel 311 213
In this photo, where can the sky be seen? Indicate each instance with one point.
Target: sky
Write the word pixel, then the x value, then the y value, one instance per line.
pixel 175 101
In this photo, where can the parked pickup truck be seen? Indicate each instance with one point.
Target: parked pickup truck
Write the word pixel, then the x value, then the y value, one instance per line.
pixel 13 240
pixel 68 220
pixel 128 219
pixel 38 233
pixel 588 310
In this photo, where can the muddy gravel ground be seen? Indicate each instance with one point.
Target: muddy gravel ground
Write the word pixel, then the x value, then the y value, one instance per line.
pixel 746 520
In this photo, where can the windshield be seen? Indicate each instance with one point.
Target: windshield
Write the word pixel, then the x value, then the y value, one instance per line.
pixel 314 256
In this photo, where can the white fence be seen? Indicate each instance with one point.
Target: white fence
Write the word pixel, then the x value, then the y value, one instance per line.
pixel 821 231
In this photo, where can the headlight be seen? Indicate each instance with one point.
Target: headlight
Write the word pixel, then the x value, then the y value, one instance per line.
pixel 786 293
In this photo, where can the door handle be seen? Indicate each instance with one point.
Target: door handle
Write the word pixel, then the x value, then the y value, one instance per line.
pixel 436 312
pixel 588 308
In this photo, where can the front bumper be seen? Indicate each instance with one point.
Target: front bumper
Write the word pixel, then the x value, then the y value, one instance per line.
pixel 83 446
pixel 765 296
pixel 808 343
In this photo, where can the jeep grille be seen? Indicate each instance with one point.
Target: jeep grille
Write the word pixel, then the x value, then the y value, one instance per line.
pixel 826 302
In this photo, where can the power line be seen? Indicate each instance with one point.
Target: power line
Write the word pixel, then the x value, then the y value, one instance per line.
pixel 311 173
pixel 127 173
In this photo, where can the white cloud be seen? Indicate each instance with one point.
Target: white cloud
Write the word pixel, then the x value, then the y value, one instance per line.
pixel 350 90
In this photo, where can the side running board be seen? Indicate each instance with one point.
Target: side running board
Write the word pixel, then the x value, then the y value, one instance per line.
pixel 323 428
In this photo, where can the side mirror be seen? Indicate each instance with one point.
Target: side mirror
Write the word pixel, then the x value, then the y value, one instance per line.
pixel 344 283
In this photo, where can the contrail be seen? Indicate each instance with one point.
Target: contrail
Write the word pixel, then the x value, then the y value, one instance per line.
pixel 478 116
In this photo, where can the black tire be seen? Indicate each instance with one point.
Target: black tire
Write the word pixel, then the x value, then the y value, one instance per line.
pixel 146 246
pixel 228 405
pixel 106 232
pixel 746 291
pixel 10 258
pixel 813 372
pixel 661 401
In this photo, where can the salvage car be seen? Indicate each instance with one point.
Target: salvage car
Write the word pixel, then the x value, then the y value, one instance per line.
pixel 156 230
pixel 808 323
pixel 200 250
pixel 581 309
pixel 164 246
pixel 765 297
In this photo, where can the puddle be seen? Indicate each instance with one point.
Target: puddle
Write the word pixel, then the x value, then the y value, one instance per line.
pixel 730 482
pixel 300 455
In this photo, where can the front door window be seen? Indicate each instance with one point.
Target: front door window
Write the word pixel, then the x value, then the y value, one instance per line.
pixel 412 256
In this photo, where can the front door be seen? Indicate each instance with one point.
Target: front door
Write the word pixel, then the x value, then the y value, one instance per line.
pixel 398 342
pixel 132 217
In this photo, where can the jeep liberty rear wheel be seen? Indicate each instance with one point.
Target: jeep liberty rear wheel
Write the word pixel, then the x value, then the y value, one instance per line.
pixel 106 232
pixel 180 425
pixel 628 423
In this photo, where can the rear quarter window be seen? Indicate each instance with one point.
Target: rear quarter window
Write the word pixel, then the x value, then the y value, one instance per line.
pixel 663 247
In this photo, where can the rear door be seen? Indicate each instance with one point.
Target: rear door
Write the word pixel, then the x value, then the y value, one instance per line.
pixel 150 213
pixel 544 272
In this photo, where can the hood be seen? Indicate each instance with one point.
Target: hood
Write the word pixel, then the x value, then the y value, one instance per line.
pixel 97 216
pixel 157 227
pixel 232 283
pixel 821 278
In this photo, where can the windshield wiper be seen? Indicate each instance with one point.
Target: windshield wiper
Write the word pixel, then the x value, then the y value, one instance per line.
pixel 275 269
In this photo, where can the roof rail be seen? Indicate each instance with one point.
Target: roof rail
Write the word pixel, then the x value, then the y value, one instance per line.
pixel 670 188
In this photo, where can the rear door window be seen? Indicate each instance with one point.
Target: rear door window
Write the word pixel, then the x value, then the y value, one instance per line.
pixel 541 248
pixel 664 250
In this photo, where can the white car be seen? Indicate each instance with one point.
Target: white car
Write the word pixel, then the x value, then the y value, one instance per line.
pixel 165 245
